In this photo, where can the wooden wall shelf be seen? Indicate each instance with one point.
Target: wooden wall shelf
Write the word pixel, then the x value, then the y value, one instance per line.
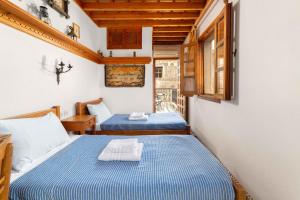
pixel 125 60
pixel 17 18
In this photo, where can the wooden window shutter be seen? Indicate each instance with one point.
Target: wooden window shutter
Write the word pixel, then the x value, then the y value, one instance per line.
pixel 188 69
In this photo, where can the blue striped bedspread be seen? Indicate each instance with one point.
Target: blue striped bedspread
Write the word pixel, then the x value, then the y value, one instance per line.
pixel 156 121
pixel 172 168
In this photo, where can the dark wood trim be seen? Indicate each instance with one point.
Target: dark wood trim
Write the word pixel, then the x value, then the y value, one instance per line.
pixel 186 131
pixel 127 15
pixel 210 98
pixel 125 23
pixel 144 6
pixel 166 58
pixel 161 29
pixel 154 84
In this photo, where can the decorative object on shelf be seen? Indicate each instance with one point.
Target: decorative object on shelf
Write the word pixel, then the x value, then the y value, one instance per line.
pixel 73 31
pixel 124 75
pixel 134 54
pixel 100 53
pixel 110 54
pixel 43 15
pixel 61 6
pixel 60 69
pixel 76 29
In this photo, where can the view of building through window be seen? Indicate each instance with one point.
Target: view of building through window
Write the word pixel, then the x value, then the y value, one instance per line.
pixel 167 85
pixel 158 72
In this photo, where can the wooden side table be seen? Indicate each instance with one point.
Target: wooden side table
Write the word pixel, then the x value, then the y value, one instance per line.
pixel 80 123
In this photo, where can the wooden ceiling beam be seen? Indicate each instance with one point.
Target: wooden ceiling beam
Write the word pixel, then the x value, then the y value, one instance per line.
pixel 143 15
pixel 172 29
pixel 145 23
pixel 170 34
pixel 168 39
pixel 167 43
pixel 142 6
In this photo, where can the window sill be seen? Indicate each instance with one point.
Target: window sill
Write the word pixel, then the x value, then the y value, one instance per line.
pixel 210 98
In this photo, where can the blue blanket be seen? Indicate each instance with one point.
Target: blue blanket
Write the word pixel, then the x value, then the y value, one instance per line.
pixel 156 121
pixel 172 168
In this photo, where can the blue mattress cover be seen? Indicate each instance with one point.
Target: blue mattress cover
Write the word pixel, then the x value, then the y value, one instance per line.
pixel 171 168
pixel 156 121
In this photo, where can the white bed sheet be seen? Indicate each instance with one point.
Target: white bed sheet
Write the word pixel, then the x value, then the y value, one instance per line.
pixel 15 175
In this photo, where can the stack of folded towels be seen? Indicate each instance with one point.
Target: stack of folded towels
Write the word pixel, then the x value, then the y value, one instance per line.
pixel 138 116
pixel 122 150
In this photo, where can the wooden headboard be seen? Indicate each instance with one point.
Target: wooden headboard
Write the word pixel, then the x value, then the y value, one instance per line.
pixel 6 149
pixel 81 107
pixel 55 110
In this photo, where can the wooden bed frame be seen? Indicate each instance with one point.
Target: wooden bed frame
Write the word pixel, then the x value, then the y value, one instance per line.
pixel 6 150
pixel 54 109
pixel 81 109
pixel 240 192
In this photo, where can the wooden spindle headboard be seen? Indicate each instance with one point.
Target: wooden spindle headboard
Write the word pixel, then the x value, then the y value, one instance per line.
pixel 55 110
pixel 81 107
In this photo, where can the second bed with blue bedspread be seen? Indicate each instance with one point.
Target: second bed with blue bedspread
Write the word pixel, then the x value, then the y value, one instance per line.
pixel 171 168
pixel 156 121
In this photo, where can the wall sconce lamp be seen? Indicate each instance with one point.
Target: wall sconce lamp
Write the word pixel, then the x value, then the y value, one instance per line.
pixel 60 69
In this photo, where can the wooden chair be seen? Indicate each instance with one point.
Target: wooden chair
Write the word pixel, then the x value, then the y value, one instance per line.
pixel 5 165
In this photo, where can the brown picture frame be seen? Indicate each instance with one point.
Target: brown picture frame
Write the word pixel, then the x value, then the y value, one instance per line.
pixel 61 6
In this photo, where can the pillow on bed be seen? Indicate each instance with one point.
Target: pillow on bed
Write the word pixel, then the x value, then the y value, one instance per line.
pixel 33 137
pixel 101 111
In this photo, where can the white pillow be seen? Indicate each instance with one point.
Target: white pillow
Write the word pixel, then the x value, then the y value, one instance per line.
pixel 101 111
pixel 33 137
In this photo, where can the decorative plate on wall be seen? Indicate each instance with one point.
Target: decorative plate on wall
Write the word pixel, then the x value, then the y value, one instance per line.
pixel 124 75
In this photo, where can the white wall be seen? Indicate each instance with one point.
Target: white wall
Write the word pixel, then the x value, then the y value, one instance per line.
pixel 126 100
pixel 256 135
pixel 27 79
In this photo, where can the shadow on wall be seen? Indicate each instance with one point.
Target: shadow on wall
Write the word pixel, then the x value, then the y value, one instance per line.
pixel 235 57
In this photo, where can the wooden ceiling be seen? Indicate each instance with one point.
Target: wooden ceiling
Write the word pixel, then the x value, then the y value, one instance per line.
pixel 171 20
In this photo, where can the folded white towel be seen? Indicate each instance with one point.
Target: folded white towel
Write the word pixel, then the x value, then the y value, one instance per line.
pixel 135 156
pixel 137 114
pixel 144 118
pixel 122 145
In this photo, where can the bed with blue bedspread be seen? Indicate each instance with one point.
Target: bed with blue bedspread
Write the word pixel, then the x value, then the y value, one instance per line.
pixel 171 168
pixel 156 121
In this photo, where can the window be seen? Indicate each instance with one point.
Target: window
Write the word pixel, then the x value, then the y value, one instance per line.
pixel 215 58
pixel 205 64
pixel 159 72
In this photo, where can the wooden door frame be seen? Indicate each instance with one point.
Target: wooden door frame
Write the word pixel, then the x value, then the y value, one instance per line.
pixel 153 76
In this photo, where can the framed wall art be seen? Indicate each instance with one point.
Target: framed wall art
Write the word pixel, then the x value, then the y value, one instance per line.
pixel 76 29
pixel 124 75
pixel 61 6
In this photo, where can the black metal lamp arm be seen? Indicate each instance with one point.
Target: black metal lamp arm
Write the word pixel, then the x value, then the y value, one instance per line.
pixel 60 70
